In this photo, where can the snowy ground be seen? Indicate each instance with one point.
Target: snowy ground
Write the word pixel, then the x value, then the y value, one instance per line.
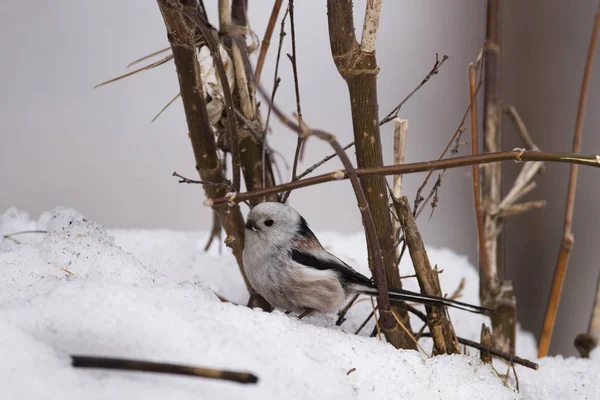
pixel 80 289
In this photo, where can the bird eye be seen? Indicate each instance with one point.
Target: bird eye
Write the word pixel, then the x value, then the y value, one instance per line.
pixel 268 222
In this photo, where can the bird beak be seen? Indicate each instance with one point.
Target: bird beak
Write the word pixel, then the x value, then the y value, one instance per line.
pixel 250 225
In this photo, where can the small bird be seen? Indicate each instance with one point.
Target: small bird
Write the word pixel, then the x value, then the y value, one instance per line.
pixel 287 265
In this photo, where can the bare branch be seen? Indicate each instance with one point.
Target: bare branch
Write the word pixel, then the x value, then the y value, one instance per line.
pixel 359 70
pixel 213 45
pixel 181 35
pixel 440 327
pixel 147 56
pixel 499 353
pixel 483 256
pixel 266 40
pixel 294 61
pixel 276 81
pixel 390 116
pixel 519 155
pixel 147 366
pixel 370 26
pixel 400 137
pixel 568 239
pixel 522 131
pixel 436 68
pixel 224 16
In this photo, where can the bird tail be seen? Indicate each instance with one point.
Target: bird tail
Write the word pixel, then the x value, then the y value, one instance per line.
pixel 407 295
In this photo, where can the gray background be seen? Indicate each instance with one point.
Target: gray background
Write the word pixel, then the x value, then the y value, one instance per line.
pixel 95 150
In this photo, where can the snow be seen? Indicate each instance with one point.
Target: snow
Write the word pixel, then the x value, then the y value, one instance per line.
pixel 82 289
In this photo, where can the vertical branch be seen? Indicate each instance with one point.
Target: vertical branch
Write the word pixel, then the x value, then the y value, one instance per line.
pixel 483 256
pixel 491 183
pixel 239 12
pixel 276 81
pixel 359 70
pixel 190 10
pixel 264 46
pixel 180 33
pixel 370 26
pixel 224 16
pixel 294 61
pixel 258 173
pixel 441 330
pixel 400 137
pixel 495 292
pixel 568 239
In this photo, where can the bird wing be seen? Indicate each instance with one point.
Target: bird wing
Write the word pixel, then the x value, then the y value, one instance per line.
pixel 322 260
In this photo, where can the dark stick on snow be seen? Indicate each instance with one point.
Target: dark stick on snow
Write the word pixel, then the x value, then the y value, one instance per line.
pixel 342 313
pixel 147 366
pixel 496 352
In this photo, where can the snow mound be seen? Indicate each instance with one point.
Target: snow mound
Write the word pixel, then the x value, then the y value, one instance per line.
pixel 80 289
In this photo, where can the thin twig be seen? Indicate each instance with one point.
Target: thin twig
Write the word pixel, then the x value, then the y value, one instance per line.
pixel 144 68
pixel 147 366
pixel 294 61
pixel 276 81
pixel 10 235
pixel 436 68
pixel 183 179
pixel 516 376
pixel 148 56
pixel 342 313
pixel 409 333
pixel 415 275
pixel 519 155
pixel 568 239
pixel 496 352
pixel 484 259
pixel 437 320
pixel 400 137
pixel 521 129
pixel 390 116
pixel 165 107
pixel 376 319
pixel 360 328
pixel 264 46
pixel 459 289
pixel 310 169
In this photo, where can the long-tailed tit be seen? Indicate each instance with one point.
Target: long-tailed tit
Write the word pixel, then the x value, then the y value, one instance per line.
pixel 286 264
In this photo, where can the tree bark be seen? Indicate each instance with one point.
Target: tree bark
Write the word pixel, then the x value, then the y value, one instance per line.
pixel 359 70
pixel 441 330
pixel 180 33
